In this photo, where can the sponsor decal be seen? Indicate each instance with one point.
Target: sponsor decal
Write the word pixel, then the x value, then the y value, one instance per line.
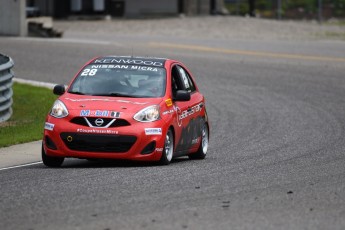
pixel 49 126
pixel 168 102
pixel 178 111
pixel 168 112
pixel 128 61
pixel 186 113
pixel 181 115
pixel 89 72
pixel 109 66
pixel 115 114
pixel 153 131
pixel 94 113
pixel 93 70
pixel 145 68
pixel 159 149
pixel 98 131
pixel 99 113
pixel 195 141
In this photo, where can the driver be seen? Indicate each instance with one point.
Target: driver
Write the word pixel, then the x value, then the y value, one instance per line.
pixel 154 84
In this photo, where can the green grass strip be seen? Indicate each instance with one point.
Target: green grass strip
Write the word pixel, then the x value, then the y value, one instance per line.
pixel 30 107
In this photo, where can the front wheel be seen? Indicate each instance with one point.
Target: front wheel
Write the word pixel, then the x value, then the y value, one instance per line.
pixel 168 150
pixel 201 153
pixel 51 161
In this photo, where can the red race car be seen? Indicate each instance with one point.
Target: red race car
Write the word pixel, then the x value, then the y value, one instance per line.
pixel 136 108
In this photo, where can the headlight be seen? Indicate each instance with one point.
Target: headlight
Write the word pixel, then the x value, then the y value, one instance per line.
pixel 59 110
pixel 148 114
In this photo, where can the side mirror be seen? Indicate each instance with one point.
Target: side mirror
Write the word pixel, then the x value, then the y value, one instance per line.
pixel 182 95
pixel 59 90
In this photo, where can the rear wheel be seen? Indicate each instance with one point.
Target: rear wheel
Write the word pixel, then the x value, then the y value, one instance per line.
pixel 168 150
pixel 51 161
pixel 201 153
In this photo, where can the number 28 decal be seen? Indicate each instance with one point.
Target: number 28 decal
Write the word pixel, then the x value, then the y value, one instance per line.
pixel 89 72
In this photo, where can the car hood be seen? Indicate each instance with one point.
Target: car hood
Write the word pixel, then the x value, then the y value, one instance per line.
pixel 119 104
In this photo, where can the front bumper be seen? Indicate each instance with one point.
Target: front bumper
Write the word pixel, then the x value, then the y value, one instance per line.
pixel 65 139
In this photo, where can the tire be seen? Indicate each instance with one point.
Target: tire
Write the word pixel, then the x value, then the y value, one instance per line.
pixel 168 150
pixel 202 151
pixel 54 162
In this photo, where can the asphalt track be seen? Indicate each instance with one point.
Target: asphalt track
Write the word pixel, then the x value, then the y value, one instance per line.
pixel 276 157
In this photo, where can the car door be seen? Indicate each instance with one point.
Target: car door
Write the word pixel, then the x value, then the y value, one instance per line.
pixel 188 111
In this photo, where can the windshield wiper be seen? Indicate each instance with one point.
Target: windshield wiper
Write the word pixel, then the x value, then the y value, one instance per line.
pixel 77 92
pixel 114 95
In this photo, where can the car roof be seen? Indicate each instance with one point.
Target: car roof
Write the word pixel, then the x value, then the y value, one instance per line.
pixel 130 60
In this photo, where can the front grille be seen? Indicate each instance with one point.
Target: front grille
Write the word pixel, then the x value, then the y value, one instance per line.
pixel 98 143
pixel 82 121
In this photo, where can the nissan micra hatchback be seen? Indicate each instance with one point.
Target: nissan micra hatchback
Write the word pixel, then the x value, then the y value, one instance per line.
pixel 136 108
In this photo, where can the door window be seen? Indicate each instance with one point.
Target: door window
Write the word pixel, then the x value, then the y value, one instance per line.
pixel 181 80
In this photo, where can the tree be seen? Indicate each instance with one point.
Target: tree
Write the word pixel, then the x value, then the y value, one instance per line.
pixel 251 8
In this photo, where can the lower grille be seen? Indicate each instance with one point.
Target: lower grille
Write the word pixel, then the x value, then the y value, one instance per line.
pixel 98 143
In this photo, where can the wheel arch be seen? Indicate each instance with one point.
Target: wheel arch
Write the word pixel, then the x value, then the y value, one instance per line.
pixel 174 135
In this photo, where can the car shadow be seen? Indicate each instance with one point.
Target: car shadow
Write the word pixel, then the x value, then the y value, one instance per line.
pixel 107 163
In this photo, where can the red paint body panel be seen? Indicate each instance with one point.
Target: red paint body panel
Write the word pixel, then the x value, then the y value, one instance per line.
pixel 183 117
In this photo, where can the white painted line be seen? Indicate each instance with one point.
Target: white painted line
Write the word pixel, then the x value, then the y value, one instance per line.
pixel 19 166
pixel 67 40
pixel 35 83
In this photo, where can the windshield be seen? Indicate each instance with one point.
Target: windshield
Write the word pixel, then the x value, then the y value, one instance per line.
pixel 120 81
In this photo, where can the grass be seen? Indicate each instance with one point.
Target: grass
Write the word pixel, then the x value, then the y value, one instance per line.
pixel 336 22
pixel 333 35
pixel 30 107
